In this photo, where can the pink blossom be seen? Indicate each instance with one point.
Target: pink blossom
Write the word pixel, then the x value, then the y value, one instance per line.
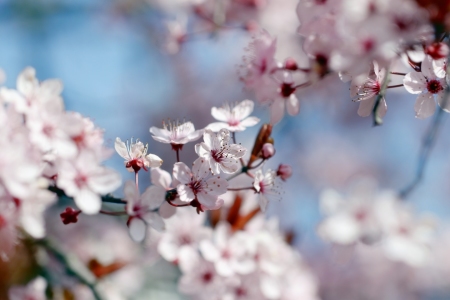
pixel 266 187
pixel 198 184
pixel 135 155
pixel 175 133
pixel 219 153
pixel 234 118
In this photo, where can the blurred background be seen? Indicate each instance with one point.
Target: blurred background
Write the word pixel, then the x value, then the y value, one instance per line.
pixel 117 69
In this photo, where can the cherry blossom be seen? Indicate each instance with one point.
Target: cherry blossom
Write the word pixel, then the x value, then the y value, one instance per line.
pixel 426 84
pixel 366 89
pixel 162 182
pixel 198 184
pixel 175 133
pixel 266 187
pixel 285 98
pixel 234 118
pixel 219 153
pixel 85 180
pixel 135 155
pixel 141 209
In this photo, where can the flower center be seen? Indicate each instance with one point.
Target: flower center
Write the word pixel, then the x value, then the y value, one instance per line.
pixel 80 180
pixel 196 186
pixel 287 89
pixel 207 277
pixel 434 86
pixel 217 155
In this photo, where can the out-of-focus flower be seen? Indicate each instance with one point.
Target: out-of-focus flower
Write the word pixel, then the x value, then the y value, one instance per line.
pixel 284 171
pixel 175 133
pixel 84 180
pixel 198 184
pixel 219 153
pixel 135 155
pixel 141 209
pixel 34 290
pixel 285 99
pixel 426 84
pixel 266 187
pixel 234 118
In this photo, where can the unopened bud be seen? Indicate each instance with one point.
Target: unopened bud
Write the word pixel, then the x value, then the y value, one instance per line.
pixel 290 64
pixel 284 171
pixel 268 150
pixel 70 215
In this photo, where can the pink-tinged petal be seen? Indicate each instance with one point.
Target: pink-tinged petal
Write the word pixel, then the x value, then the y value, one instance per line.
pixel 137 229
pixel 181 172
pixel 166 210
pixel 88 201
pixel 366 107
pixel 237 150
pixel 219 114
pixel 131 194
pixel 189 259
pixel 208 137
pixel 13 96
pixel 425 106
pixel 121 148
pixel 104 181
pixel 27 82
pixel 161 178
pixel 52 86
pixel 442 101
pixel 214 166
pixel 202 150
pixel 159 132
pixel 276 111
pixel 195 135
pixel 153 196
pixel 207 200
pixel 249 122
pixel 217 185
pixel 243 109
pixel 439 67
pixel 154 160
pixel 185 193
pixel 217 126
pixel 209 251
pixel 292 105
pixel 415 82
pixel 427 68
pixel 155 221
pixel 229 166
pixel 161 139
pixel 376 68
pixel 200 168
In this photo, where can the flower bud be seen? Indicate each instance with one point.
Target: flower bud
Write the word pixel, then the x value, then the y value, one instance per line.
pixel 70 215
pixel 437 50
pixel 268 150
pixel 284 171
pixel 290 64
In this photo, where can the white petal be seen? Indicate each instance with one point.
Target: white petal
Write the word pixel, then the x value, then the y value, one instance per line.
pixel 166 210
pixel 425 106
pixel 131 193
pixel 217 126
pixel 200 168
pixel 137 229
pixel 243 109
pixel 445 105
pixel 217 186
pixel 121 148
pixel 185 193
pixel 263 201
pixel 292 105
pixel 366 107
pixel 219 114
pixel 181 172
pixel 250 121
pixel 52 86
pixel 88 201
pixel 27 82
pixel 104 181
pixel 161 178
pixel 154 160
pixel 276 111
pixel 155 221
pixel 439 67
pixel 427 68
pixel 415 82
pixel 153 196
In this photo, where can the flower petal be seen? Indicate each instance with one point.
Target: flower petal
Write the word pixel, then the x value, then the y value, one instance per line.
pixel 154 160
pixel 243 109
pixel 292 105
pixel 137 229
pixel 181 172
pixel 153 196
pixel 88 201
pixel 121 148
pixel 276 111
pixel 415 82
pixel 161 178
pixel 219 114
pixel 425 105
pixel 155 221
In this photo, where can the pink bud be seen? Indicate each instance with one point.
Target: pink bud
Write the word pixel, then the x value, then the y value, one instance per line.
pixel 70 215
pixel 268 150
pixel 290 64
pixel 284 171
